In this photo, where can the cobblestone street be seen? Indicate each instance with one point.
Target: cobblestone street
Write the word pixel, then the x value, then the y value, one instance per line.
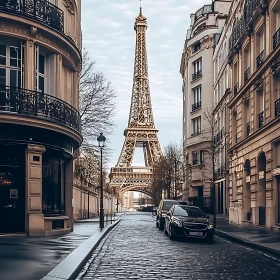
pixel 136 249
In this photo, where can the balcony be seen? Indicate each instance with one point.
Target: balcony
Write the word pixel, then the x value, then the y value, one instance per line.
pixel 235 89
pixel 247 129
pixel 219 137
pixel 196 75
pixel 38 105
pixel 247 75
pixel 260 59
pixel 261 119
pixel 242 26
pixel 276 39
pixel 38 10
pixel 196 106
pixel 204 10
pixel 277 107
pixel 219 173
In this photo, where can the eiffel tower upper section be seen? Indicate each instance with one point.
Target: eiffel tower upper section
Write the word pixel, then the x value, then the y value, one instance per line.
pixel 141 115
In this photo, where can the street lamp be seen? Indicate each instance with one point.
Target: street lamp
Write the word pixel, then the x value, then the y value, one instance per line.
pixel 101 143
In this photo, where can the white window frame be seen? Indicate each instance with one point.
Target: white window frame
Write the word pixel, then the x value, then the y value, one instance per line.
pixel 196 125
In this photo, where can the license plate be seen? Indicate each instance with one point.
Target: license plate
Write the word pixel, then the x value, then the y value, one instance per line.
pixel 196 233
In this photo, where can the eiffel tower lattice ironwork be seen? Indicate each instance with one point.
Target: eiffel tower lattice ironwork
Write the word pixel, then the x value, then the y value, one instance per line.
pixel 141 131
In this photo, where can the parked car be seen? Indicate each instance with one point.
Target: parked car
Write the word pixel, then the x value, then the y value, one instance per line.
pixel 188 222
pixel 163 208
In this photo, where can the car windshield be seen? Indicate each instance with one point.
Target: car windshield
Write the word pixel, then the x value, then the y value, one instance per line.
pixel 168 204
pixel 188 212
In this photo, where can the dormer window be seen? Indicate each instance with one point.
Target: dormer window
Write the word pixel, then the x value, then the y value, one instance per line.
pixel 196 47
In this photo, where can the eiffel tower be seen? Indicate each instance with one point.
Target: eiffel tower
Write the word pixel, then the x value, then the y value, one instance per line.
pixel 141 131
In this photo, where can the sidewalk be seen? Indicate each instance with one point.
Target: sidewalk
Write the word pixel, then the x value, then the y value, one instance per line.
pixel 251 235
pixel 31 258
pixel 96 219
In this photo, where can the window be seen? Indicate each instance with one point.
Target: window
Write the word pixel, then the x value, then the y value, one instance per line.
pixel 53 186
pixel 260 105
pixel 196 47
pixel 197 157
pixel 11 65
pixel 276 94
pixel 197 66
pixel 196 98
pixel 45 65
pixel 196 122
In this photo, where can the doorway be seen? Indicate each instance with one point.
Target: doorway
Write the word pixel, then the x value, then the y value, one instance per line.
pixel 12 193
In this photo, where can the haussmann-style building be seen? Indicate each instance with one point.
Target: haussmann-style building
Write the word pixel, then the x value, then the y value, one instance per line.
pixel 40 129
pixel 198 81
pixel 254 151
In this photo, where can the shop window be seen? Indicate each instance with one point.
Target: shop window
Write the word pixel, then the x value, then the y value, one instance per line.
pixel 53 186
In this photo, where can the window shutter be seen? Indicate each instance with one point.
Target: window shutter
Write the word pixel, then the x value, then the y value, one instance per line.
pixel 52 74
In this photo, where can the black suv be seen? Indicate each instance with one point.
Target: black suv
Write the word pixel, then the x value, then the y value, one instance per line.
pixel 163 208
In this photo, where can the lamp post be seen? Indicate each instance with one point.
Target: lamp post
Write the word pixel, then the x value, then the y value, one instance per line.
pixel 101 143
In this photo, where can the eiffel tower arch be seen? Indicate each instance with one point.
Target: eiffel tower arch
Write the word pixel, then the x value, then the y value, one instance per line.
pixel 141 131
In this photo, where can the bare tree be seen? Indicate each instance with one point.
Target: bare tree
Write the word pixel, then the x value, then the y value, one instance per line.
pixel 212 137
pixel 169 173
pixel 97 101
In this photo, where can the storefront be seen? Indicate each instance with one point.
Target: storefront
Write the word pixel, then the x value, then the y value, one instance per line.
pixel 36 181
pixel 12 188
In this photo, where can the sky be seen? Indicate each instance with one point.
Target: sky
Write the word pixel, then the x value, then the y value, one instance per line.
pixel 109 36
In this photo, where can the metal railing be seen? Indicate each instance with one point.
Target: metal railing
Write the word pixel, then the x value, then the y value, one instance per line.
pixel 197 75
pixel 260 59
pixel 277 107
pixel 247 75
pixel 261 119
pixel 196 106
pixel 204 10
pixel 219 137
pixel 235 89
pixel 38 105
pixel 276 38
pixel 247 129
pixel 39 10
pixel 243 24
pixel 219 173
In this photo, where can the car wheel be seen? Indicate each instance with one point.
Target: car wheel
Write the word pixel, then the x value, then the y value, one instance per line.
pixel 165 231
pixel 170 233
pixel 210 238
pixel 161 226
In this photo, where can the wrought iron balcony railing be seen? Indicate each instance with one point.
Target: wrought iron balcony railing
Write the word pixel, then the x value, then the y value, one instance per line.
pixel 277 107
pixel 197 75
pixel 248 129
pixel 247 75
pixel 235 89
pixel 261 119
pixel 219 137
pixel 260 59
pixel 196 106
pixel 243 24
pixel 38 105
pixel 219 173
pixel 39 10
pixel 276 38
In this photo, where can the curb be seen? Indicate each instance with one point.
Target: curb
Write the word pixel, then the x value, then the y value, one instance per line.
pixel 70 267
pixel 247 242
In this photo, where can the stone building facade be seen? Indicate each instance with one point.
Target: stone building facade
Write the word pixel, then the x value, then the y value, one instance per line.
pixel 254 112
pixel 40 59
pixel 198 80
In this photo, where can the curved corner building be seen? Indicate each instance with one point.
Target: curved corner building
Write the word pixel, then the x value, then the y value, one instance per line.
pixel 198 81
pixel 40 128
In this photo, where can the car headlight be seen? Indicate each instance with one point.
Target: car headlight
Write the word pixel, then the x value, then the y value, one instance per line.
pixel 210 226
pixel 177 223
